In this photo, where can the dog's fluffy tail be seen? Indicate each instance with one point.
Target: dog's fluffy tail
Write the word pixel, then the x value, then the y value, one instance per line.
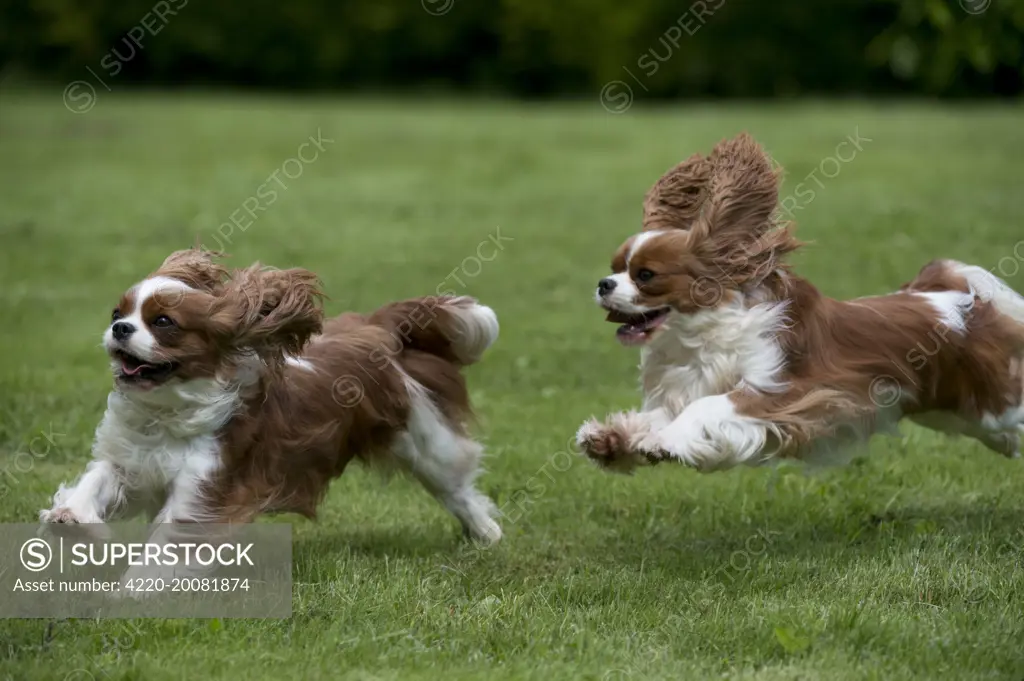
pixel 458 329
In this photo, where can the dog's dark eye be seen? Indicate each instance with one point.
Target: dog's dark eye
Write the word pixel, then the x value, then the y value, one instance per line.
pixel 115 315
pixel 163 321
pixel 644 275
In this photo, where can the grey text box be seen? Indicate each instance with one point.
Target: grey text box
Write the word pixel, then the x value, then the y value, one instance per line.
pixel 135 570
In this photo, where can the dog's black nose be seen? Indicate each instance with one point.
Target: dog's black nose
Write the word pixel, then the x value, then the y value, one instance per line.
pixel 122 330
pixel 605 286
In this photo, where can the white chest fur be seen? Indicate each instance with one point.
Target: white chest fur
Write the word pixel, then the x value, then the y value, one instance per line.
pixel 158 438
pixel 711 353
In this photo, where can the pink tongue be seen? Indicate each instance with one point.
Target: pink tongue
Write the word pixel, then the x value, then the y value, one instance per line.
pixel 630 334
pixel 131 371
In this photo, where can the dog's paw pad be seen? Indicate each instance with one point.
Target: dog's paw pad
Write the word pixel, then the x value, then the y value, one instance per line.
pixel 59 515
pixel 607 447
pixel 598 442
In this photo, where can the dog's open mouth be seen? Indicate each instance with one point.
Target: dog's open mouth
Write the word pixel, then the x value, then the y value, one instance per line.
pixel 137 372
pixel 637 329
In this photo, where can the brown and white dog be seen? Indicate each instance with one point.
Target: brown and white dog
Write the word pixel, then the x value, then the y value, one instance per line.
pixel 744 362
pixel 233 397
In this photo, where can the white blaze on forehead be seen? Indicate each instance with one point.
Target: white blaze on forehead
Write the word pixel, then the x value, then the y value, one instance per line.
pixel 142 343
pixel 640 240
pixel 148 288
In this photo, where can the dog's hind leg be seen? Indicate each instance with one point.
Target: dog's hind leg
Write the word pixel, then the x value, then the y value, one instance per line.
pixel 1002 433
pixel 1000 440
pixel 447 463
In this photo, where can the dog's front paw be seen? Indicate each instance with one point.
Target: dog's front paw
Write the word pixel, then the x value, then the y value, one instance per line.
pixel 64 522
pixel 608 447
pixel 63 516
pixel 653 449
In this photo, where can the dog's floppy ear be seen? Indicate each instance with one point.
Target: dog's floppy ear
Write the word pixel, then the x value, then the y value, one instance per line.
pixel 736 232
pixel 272 312
pixel 744 188
pixel 675 200
pixel 196 267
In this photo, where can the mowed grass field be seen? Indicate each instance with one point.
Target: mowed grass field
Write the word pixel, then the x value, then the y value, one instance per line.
pixel 904 565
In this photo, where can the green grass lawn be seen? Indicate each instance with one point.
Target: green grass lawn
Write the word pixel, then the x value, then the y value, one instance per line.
pixel 906 564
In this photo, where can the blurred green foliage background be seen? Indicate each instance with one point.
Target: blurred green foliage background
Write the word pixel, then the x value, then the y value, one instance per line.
pixel 688 48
